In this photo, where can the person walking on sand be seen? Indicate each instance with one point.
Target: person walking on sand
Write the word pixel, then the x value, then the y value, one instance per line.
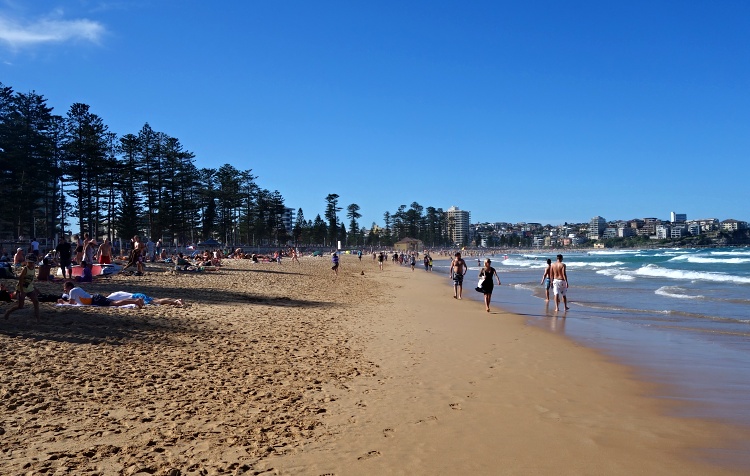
pixel 559 282
pixel 381 258
pixel 295 257
pixel 546 281
pixel 487 285
pixel 335 262
pixel 25 288
pixel 457 272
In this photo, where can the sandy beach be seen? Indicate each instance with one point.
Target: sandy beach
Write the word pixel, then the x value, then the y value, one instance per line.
pixel 288 369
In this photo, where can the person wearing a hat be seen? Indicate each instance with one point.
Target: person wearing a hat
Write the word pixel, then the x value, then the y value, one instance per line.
pixel 25 288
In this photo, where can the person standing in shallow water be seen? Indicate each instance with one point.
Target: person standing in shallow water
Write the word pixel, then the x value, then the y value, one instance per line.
pixel 559 277
pixel 458 270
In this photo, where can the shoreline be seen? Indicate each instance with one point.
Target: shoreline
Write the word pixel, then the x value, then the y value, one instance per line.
pixel 285 369
pixel 602 417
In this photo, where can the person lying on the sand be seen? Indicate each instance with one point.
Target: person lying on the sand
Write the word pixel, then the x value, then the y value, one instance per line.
pixel 118 295
pixel 80 297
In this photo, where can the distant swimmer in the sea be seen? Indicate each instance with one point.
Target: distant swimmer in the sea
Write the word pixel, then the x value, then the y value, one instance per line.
pixel 546 281
pixel 559 277
pixel 458 269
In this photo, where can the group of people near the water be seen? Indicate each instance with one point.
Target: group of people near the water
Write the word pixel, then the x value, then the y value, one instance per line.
pixel 555 277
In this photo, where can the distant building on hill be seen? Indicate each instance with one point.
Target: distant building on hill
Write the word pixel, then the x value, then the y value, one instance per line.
pixel 732 225
pixel 597 225
pixel 677 217
pixel 663 232
pixel 458 225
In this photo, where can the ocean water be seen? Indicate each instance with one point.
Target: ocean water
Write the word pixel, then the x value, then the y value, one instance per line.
pixel 680 317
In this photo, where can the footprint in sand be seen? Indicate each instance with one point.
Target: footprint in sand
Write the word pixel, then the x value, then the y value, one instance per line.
pixel 388 432
pixel 455 406
pixel 370 454
pixel 428 419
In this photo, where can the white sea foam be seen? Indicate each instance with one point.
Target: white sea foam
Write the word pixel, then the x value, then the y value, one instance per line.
pixel 583 264
pixel 614 252
pixel 617 273
pixel 654 271
pixel 730 253
pixel 704 260
pixel 676 292
pixel 523 263
pixel 610 271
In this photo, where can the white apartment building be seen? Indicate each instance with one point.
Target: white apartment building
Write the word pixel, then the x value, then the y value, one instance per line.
pixel 663 232
pixel 732 225
pixel 458 225
pixel 609 233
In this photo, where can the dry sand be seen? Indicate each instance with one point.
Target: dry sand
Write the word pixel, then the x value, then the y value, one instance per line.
pixel 286 369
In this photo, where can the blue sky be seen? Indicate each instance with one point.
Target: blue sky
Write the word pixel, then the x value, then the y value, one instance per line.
pixel 540 111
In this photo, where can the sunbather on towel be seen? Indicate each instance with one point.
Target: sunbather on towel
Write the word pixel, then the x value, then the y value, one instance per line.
pixel 80 297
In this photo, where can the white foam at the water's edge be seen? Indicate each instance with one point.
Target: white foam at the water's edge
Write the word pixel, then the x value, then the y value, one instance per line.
pixel 676 292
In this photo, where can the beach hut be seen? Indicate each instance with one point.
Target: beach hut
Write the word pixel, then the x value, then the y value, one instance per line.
pixel 409 244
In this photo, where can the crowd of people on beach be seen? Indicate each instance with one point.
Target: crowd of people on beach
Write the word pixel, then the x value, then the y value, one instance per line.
pixel 81 252
pixel 84 251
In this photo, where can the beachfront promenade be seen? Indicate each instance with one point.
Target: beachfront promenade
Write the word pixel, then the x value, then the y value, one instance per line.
pixel 286 369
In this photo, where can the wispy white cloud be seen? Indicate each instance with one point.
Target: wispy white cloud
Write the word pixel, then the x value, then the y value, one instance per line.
pixel 20 33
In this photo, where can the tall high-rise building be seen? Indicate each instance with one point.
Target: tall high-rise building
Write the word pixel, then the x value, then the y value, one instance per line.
pixel 678 217
pixel 597 225
pixel 287 218
pixel 458 225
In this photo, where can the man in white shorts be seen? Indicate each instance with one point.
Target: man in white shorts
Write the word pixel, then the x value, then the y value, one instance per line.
pixel 559 282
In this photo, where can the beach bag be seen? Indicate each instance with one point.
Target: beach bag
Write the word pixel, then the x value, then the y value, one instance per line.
pixel 479 285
